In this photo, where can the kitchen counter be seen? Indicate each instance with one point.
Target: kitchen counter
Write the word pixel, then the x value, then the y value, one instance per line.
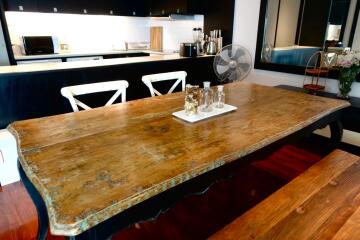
pixel 40 83
pixel 84 54
pixel 53 66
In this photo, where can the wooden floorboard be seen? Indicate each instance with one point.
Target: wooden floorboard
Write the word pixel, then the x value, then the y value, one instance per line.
pixel 18 215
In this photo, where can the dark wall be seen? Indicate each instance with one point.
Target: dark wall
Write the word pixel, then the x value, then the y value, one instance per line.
pixel 33 95
pixel 219 14
pixel 339 12
pixel 314 24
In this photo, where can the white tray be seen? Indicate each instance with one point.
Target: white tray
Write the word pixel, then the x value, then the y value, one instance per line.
pixel 204 115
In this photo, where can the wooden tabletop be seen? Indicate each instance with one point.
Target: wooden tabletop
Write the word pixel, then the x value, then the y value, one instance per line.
pixel 91 165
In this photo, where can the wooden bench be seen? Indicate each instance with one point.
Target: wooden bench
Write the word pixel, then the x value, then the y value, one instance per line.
pixel 322 203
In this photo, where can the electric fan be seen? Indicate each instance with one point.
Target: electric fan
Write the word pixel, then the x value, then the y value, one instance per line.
pixel 233 63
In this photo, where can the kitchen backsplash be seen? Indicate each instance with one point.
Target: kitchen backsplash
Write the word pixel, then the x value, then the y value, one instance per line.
pixel 94 33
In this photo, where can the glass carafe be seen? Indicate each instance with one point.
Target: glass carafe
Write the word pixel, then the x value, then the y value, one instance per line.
pixel 219 98
pixel 207 98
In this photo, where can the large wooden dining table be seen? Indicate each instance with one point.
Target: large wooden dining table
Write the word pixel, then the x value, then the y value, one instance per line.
pixel 94 172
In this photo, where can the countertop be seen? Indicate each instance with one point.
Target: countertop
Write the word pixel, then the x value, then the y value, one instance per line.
pixel 92 165
pixel 296 47
pixel 84 54
pixel 53 66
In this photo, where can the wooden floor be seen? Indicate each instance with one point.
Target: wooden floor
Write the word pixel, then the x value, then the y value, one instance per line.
pixel 18 215
pixel 195 217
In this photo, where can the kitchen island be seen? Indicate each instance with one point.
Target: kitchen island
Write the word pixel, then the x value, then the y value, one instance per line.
pixel 33 90
pixel 56 66
pixel 64 56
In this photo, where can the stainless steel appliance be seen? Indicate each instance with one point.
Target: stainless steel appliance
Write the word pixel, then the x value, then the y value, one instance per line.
pixel 198 36
pixel 212 45
pixel 188 50
pixel 33 45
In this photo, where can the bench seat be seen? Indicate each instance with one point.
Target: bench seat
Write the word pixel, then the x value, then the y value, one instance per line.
pixel 322 203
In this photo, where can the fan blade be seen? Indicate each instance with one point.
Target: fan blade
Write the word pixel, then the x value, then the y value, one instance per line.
pixel 240 74
pixel 225 55
pixel 237 75
pixel 224 77
pixel 239 53
pixel 244 66
pixel 222 69
pixel 233 76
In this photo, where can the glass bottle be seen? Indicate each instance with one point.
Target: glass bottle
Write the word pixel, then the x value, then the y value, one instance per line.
pixel 207 98
pixel 219 98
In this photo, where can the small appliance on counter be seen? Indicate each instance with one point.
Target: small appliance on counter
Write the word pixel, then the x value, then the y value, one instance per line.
pixel 204 44
pixel 36 45
pixel 188 50
pixel 198 36
pixel 214 43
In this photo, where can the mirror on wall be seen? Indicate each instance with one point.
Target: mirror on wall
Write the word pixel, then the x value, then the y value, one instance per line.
pixel 291 31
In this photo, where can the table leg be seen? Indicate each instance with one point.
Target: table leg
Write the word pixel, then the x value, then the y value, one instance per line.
pixel 88 235
pixel 43 220
pixel 336 129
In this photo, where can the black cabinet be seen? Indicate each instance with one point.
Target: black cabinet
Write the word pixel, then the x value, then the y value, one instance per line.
pixel 122 8
pixel 20 5
pixel 165 7
pixel 105 7
pixel 111 7
pixel 135 8
pixel 52 6
pixel 55 6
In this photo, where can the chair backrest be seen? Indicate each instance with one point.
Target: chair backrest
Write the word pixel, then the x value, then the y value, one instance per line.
pixel 72 91
pixel 180 77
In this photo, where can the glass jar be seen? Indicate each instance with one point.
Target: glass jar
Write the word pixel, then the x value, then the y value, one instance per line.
pixel 191 99
pixel 219 98
pixel 207 98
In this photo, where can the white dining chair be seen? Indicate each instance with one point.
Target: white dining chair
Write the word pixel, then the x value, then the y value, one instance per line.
pixel 180 77
pixel 72 91
pixel 8 158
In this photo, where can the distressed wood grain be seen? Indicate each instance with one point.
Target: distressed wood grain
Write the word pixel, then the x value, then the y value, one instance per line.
pixel 92 165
